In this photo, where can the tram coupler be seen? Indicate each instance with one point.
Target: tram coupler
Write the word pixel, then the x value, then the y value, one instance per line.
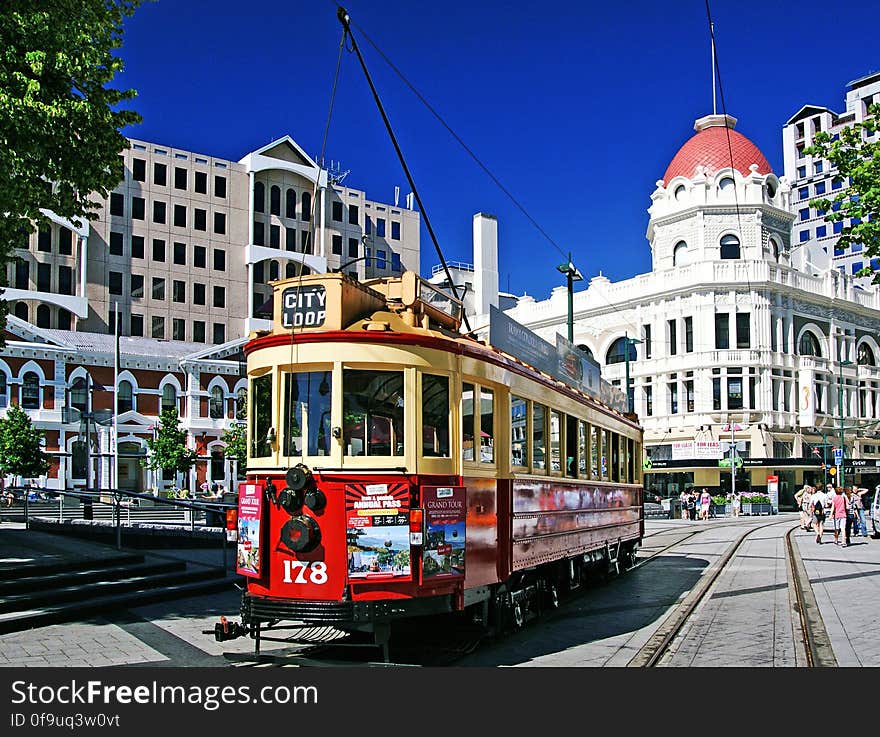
pixel 225 630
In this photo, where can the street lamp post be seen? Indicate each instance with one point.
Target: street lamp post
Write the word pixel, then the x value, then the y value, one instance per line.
pixel 627 343
pixel 572 275
pixel 840 410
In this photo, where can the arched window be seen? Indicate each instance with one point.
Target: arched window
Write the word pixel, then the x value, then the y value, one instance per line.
pixel 259 197
pixel 30 391
pixel 586 349
pixel 680 255
pixel 241 404
pixel 4 390
pixel 21 311
pixel 730 247
pixel 275 200
pixel 169 397
pixel 809 345
pixel 774 249
pixel 726 185
pixel 44 316
pixel 771 188
pixel 616 353
pixel 290 270
pixel 79 395
pixel 126 397
pixel 64 319
pixel 215 406
pixel 866 356
pixel 273 270
pixel 290 209
pixel 306 210
pixel 680 192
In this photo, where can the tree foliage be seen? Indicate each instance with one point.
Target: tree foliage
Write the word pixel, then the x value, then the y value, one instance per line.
pixel 235 438
pixel 21 450
pixel 59 127
pixel 168 450
pixel 857 160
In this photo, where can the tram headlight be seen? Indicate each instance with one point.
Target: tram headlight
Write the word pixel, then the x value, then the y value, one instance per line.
pixel 315 500
pixel 301 534
pixel 299 477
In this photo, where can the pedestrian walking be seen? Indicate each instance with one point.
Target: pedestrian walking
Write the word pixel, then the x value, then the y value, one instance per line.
pixel 859 510
pixel 692 506
pixel 803 501
pixel 850 514
pixel 817 506
pixel 683 499
pixel 736 503
pixel 705 504
pixel 838 516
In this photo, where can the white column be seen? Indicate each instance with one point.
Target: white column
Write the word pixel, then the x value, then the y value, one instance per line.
pixel 248 265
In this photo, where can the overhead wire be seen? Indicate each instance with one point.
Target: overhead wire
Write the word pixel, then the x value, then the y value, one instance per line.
pixel 478 161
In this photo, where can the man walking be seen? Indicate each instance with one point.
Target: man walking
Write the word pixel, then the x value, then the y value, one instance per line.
pixel 817 506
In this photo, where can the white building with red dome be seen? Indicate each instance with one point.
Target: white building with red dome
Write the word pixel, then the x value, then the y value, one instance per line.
pixel 730 338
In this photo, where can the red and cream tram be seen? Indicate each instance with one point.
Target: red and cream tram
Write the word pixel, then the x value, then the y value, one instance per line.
pixel 398 468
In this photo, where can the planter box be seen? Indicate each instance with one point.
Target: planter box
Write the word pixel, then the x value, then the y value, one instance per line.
pixel 719 510
pixel 756 509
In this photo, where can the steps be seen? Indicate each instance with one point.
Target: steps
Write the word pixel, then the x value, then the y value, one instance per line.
pixel 41 593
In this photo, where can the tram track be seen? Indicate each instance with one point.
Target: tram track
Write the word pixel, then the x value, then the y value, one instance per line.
pixel 815 647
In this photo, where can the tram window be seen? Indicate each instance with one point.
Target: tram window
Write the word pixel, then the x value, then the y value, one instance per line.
pixel 538 413
pixel 605 451
pixel 615 457
pixel 261 416
pixel 519 438
pixel 487 425
pixel 555 436
pixel 435 416
pixel 571 446
pixel 630 471
pixel 583 431
pixel 372 404
pixel 595 433
pixel 307 402
pixel 467 422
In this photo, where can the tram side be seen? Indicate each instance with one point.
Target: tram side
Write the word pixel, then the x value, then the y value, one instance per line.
pixel 397 469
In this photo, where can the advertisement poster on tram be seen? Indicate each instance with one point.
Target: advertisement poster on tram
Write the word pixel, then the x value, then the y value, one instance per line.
pixel 377 530
pixel 250 511
pixel 445 513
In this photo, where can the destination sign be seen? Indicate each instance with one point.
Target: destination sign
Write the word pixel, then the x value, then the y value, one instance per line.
pixel 303 307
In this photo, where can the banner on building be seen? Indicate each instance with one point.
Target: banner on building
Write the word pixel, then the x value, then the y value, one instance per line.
pixel 806 398
pixel 683 450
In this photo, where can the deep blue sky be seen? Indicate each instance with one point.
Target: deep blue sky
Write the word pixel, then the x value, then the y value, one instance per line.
pixel 576 108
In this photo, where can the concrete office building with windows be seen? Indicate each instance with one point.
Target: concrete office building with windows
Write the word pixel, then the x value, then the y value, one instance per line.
pixel 181 254
pixel 183 249
pixel 729 331
pixel 814 240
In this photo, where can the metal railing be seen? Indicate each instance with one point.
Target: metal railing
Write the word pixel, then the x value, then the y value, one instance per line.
pixel 114 504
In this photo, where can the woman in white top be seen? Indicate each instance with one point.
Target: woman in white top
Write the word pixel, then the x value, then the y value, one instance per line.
pixel 818 500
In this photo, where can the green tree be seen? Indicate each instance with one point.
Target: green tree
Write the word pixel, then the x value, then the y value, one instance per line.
pixel 857 160
pixel 235 438
pixel 168 450
pixel 59 123
pixel 21 452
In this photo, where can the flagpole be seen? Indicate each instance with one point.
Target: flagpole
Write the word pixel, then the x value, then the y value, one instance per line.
pixel 114 482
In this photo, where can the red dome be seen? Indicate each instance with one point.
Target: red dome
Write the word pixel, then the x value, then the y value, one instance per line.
pixel 710 148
